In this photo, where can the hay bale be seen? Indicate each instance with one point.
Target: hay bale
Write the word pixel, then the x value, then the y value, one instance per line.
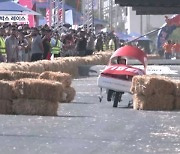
pixel 68 95
pixel 16 75
pixel 5 106
pixel 6 75
pixel 64 78
pixel 164 85
pixel 36 67
pixel 154 102
pixel 34 107
pixel 38 89
pixel 141 86
pixel 177 91
pixel 177 102
pixel 148 85
pixel 6 90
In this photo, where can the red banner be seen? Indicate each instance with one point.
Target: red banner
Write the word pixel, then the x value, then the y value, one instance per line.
pixel 28 4
pixel 48 17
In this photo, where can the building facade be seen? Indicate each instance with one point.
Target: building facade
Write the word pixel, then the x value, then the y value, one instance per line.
pixel 142 23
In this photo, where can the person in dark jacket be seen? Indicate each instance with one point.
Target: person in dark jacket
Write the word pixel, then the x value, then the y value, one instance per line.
pixel 81 44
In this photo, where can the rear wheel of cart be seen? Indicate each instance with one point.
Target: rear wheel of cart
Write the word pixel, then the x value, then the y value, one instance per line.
pixel 116 99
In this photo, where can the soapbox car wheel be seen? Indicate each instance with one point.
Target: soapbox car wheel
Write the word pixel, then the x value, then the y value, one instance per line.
pixel 117 98
pixel 109 95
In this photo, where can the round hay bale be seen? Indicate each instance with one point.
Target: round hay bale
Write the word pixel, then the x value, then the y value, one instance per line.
pixel 38 89
pixel 34 107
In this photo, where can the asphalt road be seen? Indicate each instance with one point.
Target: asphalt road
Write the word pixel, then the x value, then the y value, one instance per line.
pixel 87 126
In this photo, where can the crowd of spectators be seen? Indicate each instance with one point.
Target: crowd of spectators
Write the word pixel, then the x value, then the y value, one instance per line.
pixel 22 43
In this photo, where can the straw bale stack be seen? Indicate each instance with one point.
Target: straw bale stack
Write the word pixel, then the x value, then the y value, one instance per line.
pixel 38 89
pixel 64 78
pixel 16 75
pixel 24 66
pixel 34 107
pixel 68 95
pixel 6 90
pixel 46 65
pixel 152 92
pixel 54 66
pixel 148 85
pixel 6 75
pixel 6 106
pixel 36 67
pixel 70 66
pixel 154 102
pixel 177 94
pixel 6 97
pixel 177 103
pixel 16 67
pixel 177 83
pixel 64 64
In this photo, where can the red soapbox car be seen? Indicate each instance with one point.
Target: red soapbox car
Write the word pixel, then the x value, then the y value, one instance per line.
pixel 117 76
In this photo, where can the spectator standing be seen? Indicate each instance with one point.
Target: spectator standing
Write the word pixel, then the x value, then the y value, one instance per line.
pixel 37 49
pixel 22 46
pixel 168 49
pixel 176 50
pixel 2 46
pixel 99 43
pixel 47 45
pixel 111 44
pixel 90 44
pixel 81 44
pixel 56 45
pixel 11 43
